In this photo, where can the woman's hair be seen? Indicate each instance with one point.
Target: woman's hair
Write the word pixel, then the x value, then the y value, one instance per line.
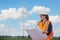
pixel 47 17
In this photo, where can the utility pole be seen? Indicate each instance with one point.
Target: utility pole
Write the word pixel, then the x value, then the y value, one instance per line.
pixel 23 20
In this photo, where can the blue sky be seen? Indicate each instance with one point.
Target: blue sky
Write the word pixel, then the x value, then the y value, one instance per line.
pixel 29 4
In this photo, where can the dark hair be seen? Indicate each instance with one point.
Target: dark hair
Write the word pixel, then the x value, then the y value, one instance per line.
pixel 46 16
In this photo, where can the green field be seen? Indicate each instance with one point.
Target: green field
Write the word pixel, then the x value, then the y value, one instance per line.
pixel 21 38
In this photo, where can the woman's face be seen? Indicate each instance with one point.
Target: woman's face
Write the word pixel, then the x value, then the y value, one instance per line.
pixel 42 17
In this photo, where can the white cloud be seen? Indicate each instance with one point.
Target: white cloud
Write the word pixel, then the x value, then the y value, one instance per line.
pixel 10 32
pixel 28 24
pixel 55 19
pixel 40 10
pixel 56 32
pixel 13 13
pixel 6 31
pixel 2 26
pixel 15 32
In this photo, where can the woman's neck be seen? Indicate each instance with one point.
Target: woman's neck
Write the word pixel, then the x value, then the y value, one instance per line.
pixel 44 20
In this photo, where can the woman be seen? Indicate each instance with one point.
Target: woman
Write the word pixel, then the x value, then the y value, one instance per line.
pixel 46 26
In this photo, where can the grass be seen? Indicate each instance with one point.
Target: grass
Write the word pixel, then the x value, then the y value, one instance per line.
pixel 21 38
pixel 56 38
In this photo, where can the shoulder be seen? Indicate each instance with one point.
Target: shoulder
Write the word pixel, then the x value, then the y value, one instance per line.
pixel 48 22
